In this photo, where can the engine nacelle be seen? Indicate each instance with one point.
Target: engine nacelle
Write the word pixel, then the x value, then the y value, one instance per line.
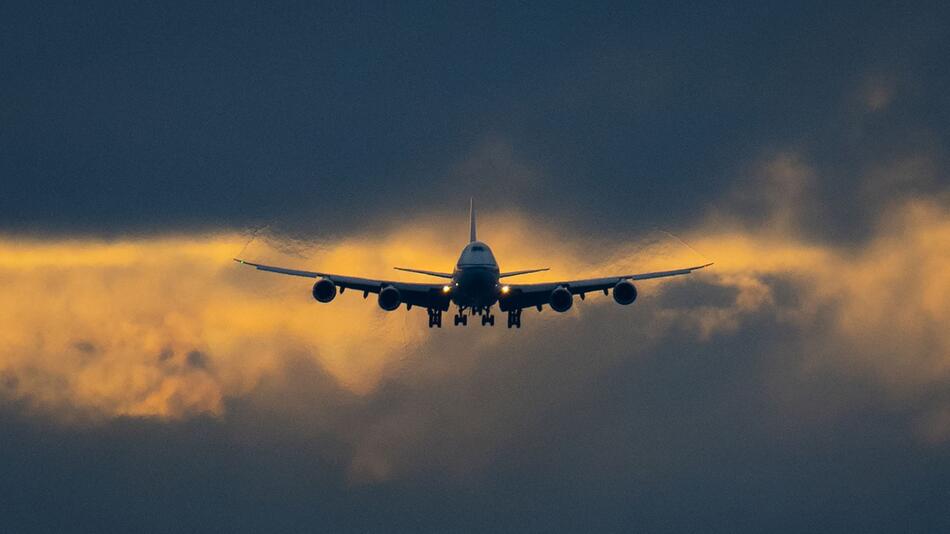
pixel 625 292
pixel 561 299
pixel 324 290
pixel 389 298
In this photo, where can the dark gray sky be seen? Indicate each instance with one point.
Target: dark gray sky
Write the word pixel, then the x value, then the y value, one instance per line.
pixel 693 410
pixel 132 117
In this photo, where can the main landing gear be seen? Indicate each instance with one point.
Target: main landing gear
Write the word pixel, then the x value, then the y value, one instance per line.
pixel 488 319
pixel 514 318
pixel 435 317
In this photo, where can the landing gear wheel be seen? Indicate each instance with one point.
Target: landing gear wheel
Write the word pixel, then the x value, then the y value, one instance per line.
pixel 460 319
pixel 514 318
pixel 435 317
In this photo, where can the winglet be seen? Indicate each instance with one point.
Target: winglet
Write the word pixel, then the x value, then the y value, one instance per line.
pixel 471 219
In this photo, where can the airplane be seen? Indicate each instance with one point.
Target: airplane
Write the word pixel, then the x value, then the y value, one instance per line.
pixel 474 286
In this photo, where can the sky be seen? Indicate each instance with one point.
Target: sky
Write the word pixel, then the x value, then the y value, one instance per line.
pixel 148 383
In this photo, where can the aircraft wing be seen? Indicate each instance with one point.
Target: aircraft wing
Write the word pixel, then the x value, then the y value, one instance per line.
pixel 423 295
pixel 528 295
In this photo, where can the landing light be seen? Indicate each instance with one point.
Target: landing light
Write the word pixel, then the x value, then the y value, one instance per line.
pixel 446 289
pixel 505 289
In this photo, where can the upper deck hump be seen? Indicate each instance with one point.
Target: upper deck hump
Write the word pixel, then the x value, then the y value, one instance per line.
pixel 477 253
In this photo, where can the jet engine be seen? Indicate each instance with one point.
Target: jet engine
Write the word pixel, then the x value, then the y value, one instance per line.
pixel 389 298
pixel 625 292
pixel 561 299
pixel 324 290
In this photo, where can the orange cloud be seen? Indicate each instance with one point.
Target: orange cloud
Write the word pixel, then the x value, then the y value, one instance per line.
pixel 889 297
pixel 169 326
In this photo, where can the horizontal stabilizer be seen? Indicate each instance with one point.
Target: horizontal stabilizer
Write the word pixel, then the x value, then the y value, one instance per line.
pixel 420 271
pixel 528 271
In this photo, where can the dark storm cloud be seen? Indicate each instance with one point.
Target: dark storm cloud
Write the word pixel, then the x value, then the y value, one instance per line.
pixel 127 118
pixel 688 294
pixel 545 434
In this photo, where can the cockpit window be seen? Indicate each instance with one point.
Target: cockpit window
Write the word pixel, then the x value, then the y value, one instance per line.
pixel 478 248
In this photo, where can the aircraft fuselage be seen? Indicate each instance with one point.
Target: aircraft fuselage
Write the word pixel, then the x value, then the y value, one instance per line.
pixel 475 278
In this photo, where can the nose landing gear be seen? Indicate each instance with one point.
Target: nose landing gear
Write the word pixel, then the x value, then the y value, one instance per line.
pixel 488 319
pixel 460 319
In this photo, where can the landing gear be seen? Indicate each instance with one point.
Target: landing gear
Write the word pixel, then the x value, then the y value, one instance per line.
pixel 488 318
pixel 435 317
pixel 514 318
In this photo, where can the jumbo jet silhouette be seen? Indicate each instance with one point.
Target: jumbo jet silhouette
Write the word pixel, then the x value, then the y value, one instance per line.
pixel 474 287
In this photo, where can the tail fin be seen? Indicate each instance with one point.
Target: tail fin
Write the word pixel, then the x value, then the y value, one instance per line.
pixel 471 219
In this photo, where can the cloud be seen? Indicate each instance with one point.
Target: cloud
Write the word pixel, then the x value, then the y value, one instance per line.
pixel 170 327
pixel 733 376
pixel 877 93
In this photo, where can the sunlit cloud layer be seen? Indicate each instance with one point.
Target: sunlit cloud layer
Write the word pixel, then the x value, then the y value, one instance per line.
pixel 171 327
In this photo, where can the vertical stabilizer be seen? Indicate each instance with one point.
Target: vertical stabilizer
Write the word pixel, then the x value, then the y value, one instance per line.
pixel 471 219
